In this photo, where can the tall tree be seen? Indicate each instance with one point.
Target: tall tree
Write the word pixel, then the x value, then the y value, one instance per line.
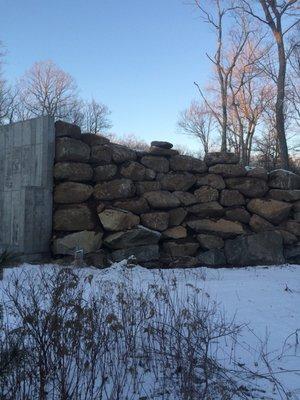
pixel 45 89
pixel 280 17
pixel 95 117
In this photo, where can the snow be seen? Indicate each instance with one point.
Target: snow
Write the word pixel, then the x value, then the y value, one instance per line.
pixel 266 299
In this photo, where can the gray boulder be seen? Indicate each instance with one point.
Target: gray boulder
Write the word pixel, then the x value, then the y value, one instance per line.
pixel 72 192
pixel 187 164
pixel 141 254
pixel 238 214
pixel 281 179
pixel 273 211
pixel 115 189
pixel 176 216
pixel 158 221
pixel 138 236
pixel 77 217
pixel 228 170
pixel 213 180
pixel 118 220
pixel 284 195
pixel 221 227
pixel 205 194
pixel 162 145
pixel 143 187
pixel 161 199
pixel 212 258
pixel 250 187
pixel 158 164
pixel 176 181
pixel 221 158
pixel 121 154
pixel 73 171
pixel 133 170
pixel 230 198
pixel 179 249
pixel 105 172
pixel 263 248
pixel 88 241
pixel 209 242
pixel 101 154
pixel 210 209
pixel 68 149
pixel 63 129
pixel 138 205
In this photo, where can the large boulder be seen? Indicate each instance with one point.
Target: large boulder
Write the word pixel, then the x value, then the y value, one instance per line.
pixel 63 128
pixel 187 164
pixel 121 154
pixel 209 242
pixel 221 158
pixel 77 217
pixel 158 151
pixel 176 181
pixel 141 254
pixel 212 258
pixel 158 221
pixel 186 198
pixel 177 216
pixel 115 189
pixel 206 194
pixel 258 249
pixel 228 170
pixel 210 209
pixel 284 195
pixel 259 224
pixel 291 226
pixel 179 249
pixel 72 192
pixel 101 154
pixel 257 172
pixel 88 241
pixel 158 164
pixel 281 179
pixel 213 180
pixel 105 172
pixel 118 220
pixel 230 198
pixel 222 227
pixel 73 171
pixel 138 236
pixel 250 187
pixel 238 214
pixel 161 199
pixel 68 149
pixel 138 205
pixel 273 211
pixel 177 232
pixel 143 187
pixel 133 170
pixel 287 237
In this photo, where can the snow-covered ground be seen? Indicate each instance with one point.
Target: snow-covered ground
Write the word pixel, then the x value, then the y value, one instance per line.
pixel 266 299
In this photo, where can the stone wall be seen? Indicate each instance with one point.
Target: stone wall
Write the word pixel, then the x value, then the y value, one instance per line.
pixel 169 209
pixel 26 184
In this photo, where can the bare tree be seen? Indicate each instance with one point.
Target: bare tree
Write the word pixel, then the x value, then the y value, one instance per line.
pixel 281 17
pixel 95 117
pixel 197 121
pixel 45 89
pixel 219 10
pixel 6 95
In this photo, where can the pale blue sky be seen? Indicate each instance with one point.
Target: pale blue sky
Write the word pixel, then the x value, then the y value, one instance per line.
pixel 140 57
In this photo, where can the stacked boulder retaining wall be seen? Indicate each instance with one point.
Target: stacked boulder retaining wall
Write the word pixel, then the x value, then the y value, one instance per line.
pixel 166 209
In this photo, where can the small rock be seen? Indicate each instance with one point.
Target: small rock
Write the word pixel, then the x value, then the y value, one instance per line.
pixel 206 194
pixel 163 152
pixel 162 145
pixel 118 220
pixel 177 216
pixel 292 254
pixel 158 221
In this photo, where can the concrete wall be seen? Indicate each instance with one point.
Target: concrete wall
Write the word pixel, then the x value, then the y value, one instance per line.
pixel 26 182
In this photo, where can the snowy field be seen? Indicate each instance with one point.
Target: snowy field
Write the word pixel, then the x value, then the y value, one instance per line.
pixel 265 300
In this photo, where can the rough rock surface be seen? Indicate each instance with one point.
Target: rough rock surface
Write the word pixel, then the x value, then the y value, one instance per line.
pixel 92 139
pixel 228 170
pixel 206 194
pixel 105 172
pixel 101 154
pixel 138 205
pixel 212 258
pixel 88 241
pixel 238 214
pixel 221 158
pixel 158 164
pixel 272 210
pixel 250 187
pixel 72 192
pixel 257 249
pixel 66 129
pixel 188 164
pixel 176 216
pixel 68 149
pixel 161 144
pixel 115 189
pixel 176 181
pixel 158 221
pixel 231 198
pixel 133 170
pixel 258 172
pixel 77 217
pixel 186 198
pixel 141 254
pixel 259 224
pixel 118 220
pixel 213 180
pixel 73 171
pixel 163 152
pixel 177 232
pixel 281 179
pixel 209 242
pixel 121 154
pixel 148 186
pixel 161 199
pixel 222 227
pixel 210 209
pixel 178 249
pixel 284 195
pixel 138 236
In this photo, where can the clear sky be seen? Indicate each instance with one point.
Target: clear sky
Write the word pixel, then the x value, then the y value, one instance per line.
pixel 140 57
